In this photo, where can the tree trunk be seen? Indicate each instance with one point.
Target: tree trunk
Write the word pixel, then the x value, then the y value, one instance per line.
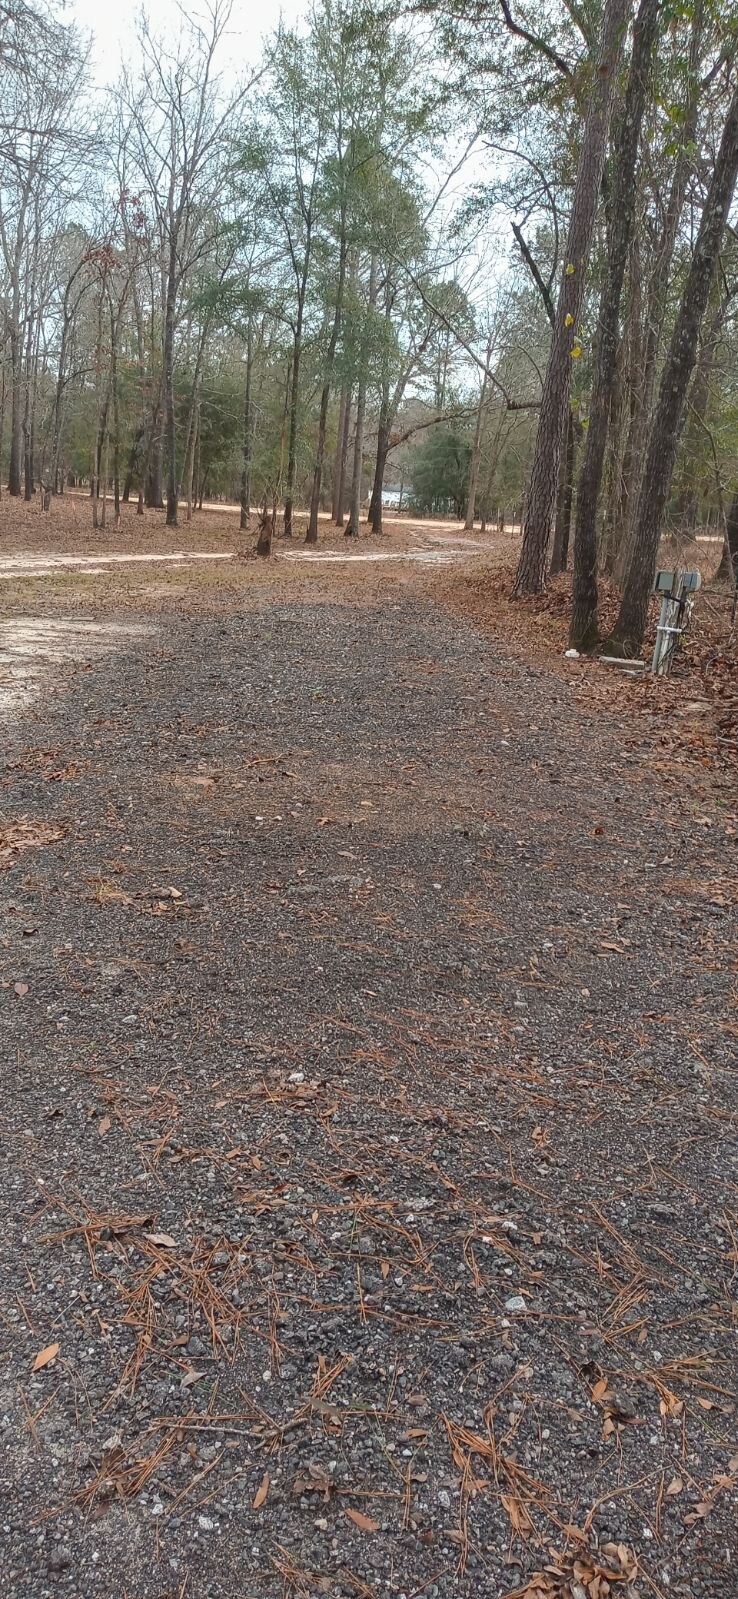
pixel 15 473
pixel 562 530
pixel 190 464
pixel 27 431
pixel 343 466
pixel 354 521
pixel 311 537
pixel 169 385
pixel 584 622
pixel 154 497
pixel 248 439
pixel 339 463
pixel 541 499
pixel 678 368
pixel 289 491
pixel 656 300
pixel 116 414
pixel 690 488
pixel 383 444
pixel 132 463
pixel 727 571
pixel 476 457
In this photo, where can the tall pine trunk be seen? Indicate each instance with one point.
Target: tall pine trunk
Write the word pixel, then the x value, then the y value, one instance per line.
pixel 544 478
pixel 339 465
pixel 354 521
pixel 311 537
pixel 669 415
pixel 564 502
pixel 380 467
pixel 584 623
pixel 248 433
pixel 727 571
pixel 657 297
pixel 169 385
pixel 476 453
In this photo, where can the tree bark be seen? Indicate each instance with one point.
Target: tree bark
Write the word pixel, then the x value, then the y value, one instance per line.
pixel 678 368
pixel 541 500
pixel 380 467
pixel 169 384
pixel 339 464
pixel 193 444
pixel 656 299
pixel 154 497
pixel 476 454
pixel 584 621
pixel 727 571
pixel 562 530
pixel 248 441
pixel 311 537
pixel 354 521
pixel 289 492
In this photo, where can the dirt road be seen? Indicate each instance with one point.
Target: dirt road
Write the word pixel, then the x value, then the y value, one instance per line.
pixel 368 1120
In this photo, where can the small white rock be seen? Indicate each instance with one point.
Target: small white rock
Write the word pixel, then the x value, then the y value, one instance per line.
pixel 515 1302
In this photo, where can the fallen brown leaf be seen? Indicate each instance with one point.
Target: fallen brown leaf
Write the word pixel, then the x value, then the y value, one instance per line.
pixel 364 1522
pixel 45 1357
pixel 262 1491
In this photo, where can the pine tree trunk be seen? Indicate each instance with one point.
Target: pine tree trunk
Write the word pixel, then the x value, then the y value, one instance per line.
pixel 727 571
pixel 193 446
pixel 584 622
pixel 354 521
pixel 343 467
pixel 289 492
pixel 562 530
pixel 383 444
pixel 169 385
pixel 15 474
pixel 657 297
pixel 311 537
pixel 154 472
pixel 541 499
pixel 678 368
pixel 339 462
pixel 248 439
pixel 476 454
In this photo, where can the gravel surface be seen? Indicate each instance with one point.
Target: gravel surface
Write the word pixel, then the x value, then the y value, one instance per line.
pixel 368 1123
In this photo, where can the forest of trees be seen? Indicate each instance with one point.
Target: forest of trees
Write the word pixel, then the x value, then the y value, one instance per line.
pixel 482 246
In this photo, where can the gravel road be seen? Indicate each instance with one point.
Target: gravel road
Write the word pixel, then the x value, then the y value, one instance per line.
pixel 368 1124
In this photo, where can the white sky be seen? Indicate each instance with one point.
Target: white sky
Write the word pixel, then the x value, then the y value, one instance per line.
pixel 112 24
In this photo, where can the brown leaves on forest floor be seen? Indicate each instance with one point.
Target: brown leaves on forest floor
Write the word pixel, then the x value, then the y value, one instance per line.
pixel 26 834
pixel 691 716
pixel 391 1234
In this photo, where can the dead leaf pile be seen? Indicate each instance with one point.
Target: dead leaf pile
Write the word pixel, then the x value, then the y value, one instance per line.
pixel 16 837
pixel 610 1574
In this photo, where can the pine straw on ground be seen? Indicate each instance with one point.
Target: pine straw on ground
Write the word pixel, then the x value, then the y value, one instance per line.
pixel 369 1107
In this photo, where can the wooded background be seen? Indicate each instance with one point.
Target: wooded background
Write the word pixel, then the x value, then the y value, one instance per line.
pixel 478 251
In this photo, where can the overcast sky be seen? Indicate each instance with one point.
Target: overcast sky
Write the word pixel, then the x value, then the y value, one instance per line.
pixel 112 24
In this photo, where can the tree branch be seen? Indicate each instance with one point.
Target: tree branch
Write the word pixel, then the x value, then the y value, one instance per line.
pixel 536 42
pixel 535 273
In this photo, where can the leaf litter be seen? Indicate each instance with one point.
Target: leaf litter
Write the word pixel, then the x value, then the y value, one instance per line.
pixel 349 1114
